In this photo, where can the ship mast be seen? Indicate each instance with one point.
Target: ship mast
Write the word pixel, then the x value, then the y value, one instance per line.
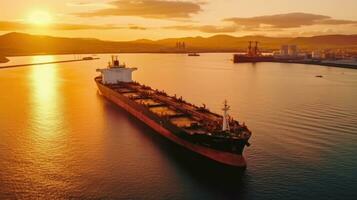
pixel 225 109
pixel 256 49
pixel 250 49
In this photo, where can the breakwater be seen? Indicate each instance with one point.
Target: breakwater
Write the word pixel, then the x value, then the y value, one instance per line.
pixel 45 63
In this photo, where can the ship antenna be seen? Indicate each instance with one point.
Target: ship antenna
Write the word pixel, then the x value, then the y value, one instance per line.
pixel 225 109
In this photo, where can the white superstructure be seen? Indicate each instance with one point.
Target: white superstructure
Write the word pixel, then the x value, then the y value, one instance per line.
pixel 115 72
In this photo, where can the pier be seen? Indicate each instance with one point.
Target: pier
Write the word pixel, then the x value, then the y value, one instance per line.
pixel 290 54
pixel 320 63
pixel 313 62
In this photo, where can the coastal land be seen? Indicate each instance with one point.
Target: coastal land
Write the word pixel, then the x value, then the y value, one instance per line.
pixel 22 44
pixel 19 44
pixel 3 59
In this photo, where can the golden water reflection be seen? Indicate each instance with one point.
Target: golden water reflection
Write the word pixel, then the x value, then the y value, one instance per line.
pixel 44 95
pixel 47 135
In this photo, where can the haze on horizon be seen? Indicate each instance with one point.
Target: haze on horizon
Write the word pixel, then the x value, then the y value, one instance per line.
pixel 156 19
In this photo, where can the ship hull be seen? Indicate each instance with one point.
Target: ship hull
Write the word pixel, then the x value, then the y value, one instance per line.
pixel 237 58
pixel 225 158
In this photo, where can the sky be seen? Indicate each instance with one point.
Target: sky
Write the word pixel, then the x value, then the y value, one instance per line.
pixel 123 20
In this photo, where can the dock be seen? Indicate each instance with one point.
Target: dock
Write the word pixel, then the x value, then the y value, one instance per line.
pixel 320 63
pixel 46 63
pixel 261 59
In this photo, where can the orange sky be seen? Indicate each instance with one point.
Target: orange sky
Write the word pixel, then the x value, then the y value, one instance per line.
pixel 155 19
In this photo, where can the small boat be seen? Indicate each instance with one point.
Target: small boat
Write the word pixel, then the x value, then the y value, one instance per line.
pixel 193 54
pixel 88 58
pixel 319 76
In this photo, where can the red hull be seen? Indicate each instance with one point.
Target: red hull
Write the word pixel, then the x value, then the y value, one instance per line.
pixel 237 58
pixel 219 156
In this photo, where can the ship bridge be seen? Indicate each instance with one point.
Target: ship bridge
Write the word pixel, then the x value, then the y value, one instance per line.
pixel 116 72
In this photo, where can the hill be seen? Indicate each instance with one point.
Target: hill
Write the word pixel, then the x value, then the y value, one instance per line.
pixel 327 41
pixel 25 44
pixel 3 59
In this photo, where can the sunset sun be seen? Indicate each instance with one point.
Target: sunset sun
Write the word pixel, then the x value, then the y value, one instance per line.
pixel 40 18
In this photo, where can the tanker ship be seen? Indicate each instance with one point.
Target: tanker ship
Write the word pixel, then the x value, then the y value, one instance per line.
pixel 217 137
pixel 253 55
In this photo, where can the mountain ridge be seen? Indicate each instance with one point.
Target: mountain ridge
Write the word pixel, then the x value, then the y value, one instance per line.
pixel 16 43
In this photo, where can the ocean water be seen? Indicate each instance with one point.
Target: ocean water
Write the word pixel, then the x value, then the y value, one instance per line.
pixel 59 139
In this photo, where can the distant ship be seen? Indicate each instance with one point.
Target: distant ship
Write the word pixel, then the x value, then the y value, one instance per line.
pixel 88 58
pixel 193 54
pixel 219 138
pixel 253 55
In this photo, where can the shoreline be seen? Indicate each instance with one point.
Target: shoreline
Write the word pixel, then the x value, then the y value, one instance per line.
pixel 123 52
pixel 338 65
pixel 3 59
pixel 315 63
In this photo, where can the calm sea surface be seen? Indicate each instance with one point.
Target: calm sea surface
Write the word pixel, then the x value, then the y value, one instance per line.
pixel 59 139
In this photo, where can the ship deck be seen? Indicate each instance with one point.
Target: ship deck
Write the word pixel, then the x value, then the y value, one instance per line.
pixel 191 118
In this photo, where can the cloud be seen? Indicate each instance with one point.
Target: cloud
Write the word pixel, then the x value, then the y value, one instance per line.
pixel 87 4
pixel 10 26
pixel 205 28
pixel 15 26
pixel 338 22
pixel 268 23
pixel 148 9
pixel 81 27
pixel 137 28
pixel 289 20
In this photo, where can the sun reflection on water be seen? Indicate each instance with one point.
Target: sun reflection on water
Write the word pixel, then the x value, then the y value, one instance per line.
pixel 45 106
pixel 44 86
pixel 46 133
